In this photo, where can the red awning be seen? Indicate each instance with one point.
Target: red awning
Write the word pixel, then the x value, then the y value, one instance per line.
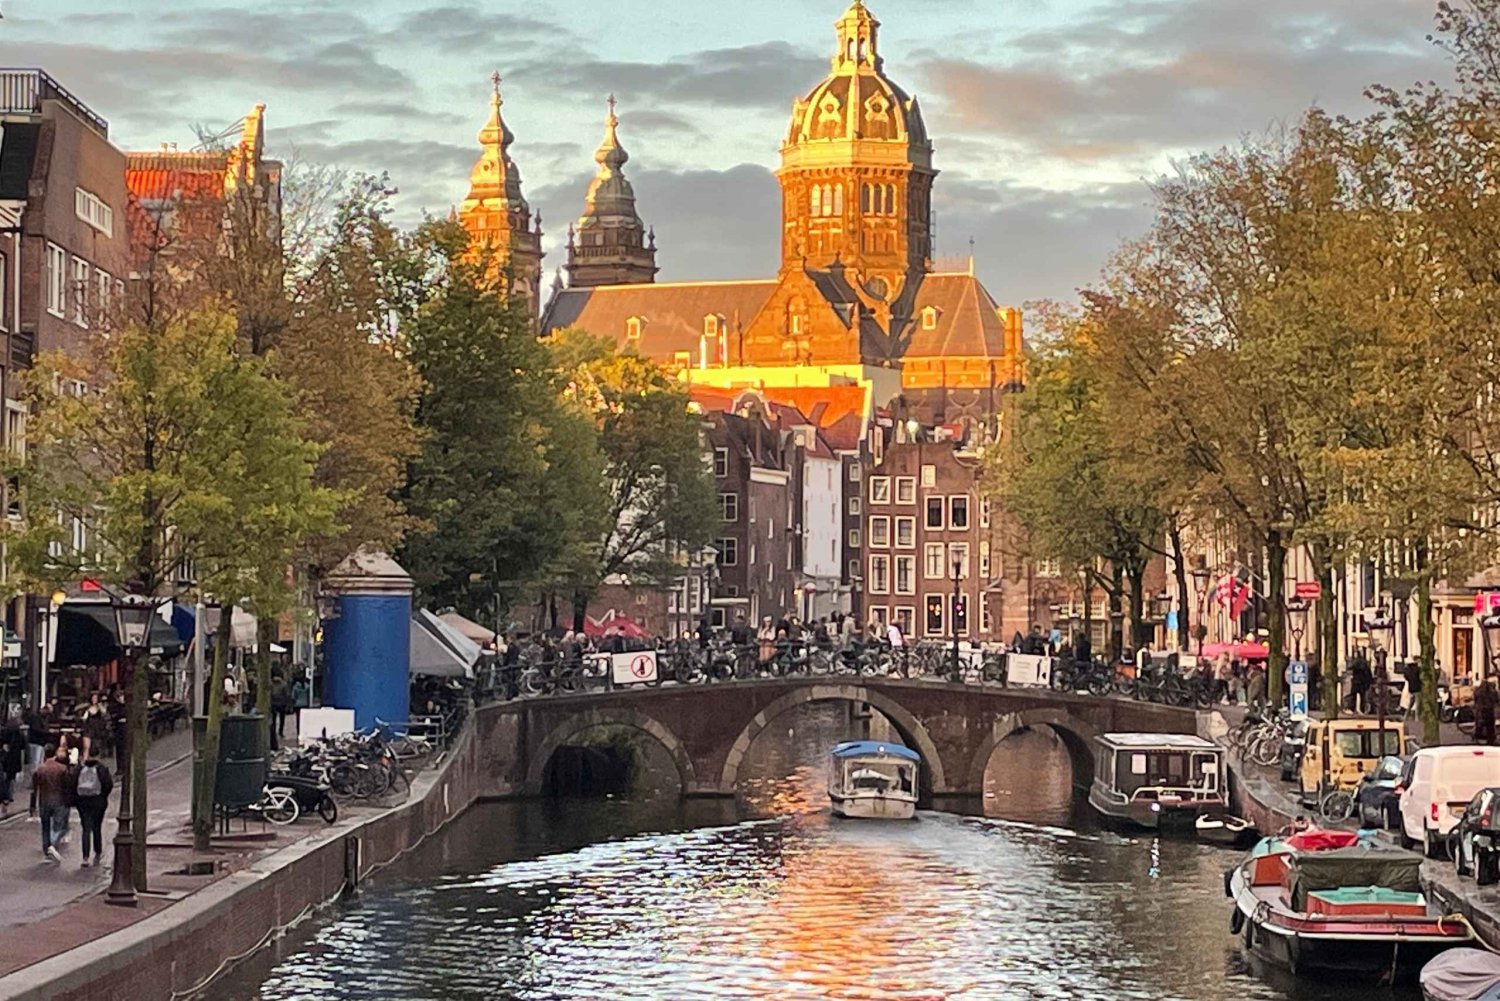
pixel 614 625
pixel 1242 651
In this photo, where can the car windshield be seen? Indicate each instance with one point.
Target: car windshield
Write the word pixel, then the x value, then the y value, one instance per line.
pixel 1366 743
pixel 1389 770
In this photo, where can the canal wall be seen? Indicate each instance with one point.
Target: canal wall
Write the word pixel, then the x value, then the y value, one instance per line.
pixel 1257 800
pixel 173 954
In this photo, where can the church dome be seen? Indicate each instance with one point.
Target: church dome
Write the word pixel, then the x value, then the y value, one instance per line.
pixel 857 101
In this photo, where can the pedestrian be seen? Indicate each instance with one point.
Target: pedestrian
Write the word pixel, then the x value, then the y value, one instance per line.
pixel 231 692
pixel 119 729
pixel 739 633
pixel 92 799
pixel 12 758
pixel 62 824
pixel 1257 690
pixel 49 782
pixel 1223 676
pixel 299 693
pixel 1485 700
pixel 767 639
pixel 38 736
pixel 95 725
pixel 1359 671
pixel 281 704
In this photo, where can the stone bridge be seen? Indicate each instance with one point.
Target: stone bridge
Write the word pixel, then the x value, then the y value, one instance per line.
pixel 708 729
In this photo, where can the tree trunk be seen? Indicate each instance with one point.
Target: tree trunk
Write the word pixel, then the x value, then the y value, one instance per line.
pixel 1276 615
pixel 1327 640
pixel 1088 607
pixel 139 740
pixel 1427 708
pixel 265 631
pixel 1137 602
pixel 1184 598
pixel 580 609
pixel 1116 613
pixel 208 754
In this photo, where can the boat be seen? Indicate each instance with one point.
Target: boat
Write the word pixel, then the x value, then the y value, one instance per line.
pixel 1462 975
pixel 1155 780
pixel 1325 904
pixel 1224 829
pixel 871 779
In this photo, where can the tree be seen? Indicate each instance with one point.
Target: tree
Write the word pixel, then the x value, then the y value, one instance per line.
pixel 661 494
pixel 172 449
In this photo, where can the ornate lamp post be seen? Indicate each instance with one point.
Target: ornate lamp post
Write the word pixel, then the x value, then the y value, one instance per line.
pixel 1201 576
pixel 1378 620
pixel 1297 613
pixel 953 615
pixel 132 628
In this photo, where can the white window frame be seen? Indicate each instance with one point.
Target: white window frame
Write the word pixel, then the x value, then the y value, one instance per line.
pixel 729 551
pixel 880 581
pixel 729 507
pixel 928 551
pixel 906 490
pixel 942 522
pixel 880 532
pixel 929 318
pixel 906 617
pixel 953 524
pixel 929 475
pixel 961 551
pixel 633 327
pixel 79 282
pixel 984 512
pixel 721 462
pixel 880 490
pixel 854 505
pixel 853 472
pixel 853 538
pixel 906 526
pixel 94 210
pixel 942 606
pixel 55 281
pixel 910 563
pixel 984 559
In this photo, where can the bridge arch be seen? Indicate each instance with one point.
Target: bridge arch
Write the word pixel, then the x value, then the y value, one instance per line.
pixel 588 719
pixel 908 726
pixel 1077 736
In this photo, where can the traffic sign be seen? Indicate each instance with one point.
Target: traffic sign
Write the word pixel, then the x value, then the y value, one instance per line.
pixel 1297 672
pixel 1299 703
pixel 1310 589
pixel 635 668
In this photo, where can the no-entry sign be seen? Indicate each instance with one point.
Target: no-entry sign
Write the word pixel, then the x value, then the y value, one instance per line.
pixel 634 668
pixel 1309 589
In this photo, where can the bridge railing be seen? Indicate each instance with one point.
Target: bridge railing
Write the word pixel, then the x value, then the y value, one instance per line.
pixel 543 671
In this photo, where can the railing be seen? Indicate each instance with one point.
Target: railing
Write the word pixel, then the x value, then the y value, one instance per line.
pixel 24 90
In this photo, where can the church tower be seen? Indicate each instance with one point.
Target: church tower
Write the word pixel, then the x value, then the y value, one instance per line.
pixel 856 171
pixel 610 245
pixel 496 214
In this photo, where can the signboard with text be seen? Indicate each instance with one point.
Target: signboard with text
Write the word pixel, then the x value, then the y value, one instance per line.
pixel 634 668
pixel 1310 589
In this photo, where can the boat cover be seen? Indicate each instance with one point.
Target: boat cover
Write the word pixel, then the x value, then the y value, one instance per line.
pixel 1330 870
pixel 873 748
pixel 1462 975
pixel 1315 839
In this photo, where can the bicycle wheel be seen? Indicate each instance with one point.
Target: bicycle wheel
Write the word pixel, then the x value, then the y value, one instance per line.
pixel 1267 750
pixel 279 806
pixel 1337 805
pixel 344 778
pixel 328 809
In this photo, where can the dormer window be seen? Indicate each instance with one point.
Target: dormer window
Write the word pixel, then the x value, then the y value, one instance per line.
pixel 796 324
pixel 633 327
pixel 929 318
pixel 713 325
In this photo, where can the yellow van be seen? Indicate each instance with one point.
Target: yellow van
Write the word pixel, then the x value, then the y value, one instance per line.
pixel 1339 752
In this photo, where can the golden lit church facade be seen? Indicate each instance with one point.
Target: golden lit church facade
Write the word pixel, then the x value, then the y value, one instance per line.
pixel 856 300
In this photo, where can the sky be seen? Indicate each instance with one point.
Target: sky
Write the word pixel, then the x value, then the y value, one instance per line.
pixel 1050 118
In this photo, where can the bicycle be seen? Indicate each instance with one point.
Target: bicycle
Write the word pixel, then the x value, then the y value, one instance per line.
pixel 1336 806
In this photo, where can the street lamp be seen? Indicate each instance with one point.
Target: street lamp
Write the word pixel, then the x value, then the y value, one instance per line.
pixel 133 630
pixel 958 567
pixel 1297 610
pixel 1378 620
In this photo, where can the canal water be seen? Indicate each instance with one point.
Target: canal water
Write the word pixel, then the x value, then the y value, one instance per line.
pixel 640 897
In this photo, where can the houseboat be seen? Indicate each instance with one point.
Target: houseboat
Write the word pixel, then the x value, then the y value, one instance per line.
pixel 1322 904
pixel 1155 780
pixel 870 779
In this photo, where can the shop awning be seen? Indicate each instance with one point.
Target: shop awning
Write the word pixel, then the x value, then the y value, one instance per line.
pixel 468 627
pixel 87 633
pixel 440 651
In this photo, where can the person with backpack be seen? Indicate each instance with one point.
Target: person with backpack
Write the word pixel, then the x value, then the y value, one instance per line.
pixel 92 799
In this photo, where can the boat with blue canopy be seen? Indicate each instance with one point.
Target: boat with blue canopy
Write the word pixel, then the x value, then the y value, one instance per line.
pixel 873 779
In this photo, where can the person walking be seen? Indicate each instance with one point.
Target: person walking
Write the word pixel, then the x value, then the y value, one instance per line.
pixel 1362 677
pixel 94 724
pixel 38 738
pixel 1257 693
pixel 92 799
pixel 12 758
pixel 767 639
pixel 281 705
pixel 1485 700
pixel 49 782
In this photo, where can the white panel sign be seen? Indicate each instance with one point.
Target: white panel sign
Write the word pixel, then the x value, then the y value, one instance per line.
pixel 324 722
pixel 637 668
pixel 1028 670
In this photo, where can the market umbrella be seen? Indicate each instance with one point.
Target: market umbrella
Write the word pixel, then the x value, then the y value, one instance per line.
pixel 1242 651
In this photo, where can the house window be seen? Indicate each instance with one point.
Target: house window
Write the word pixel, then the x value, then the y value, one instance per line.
pixel 854 569
pixel 984 512
pixel 906 533
pixel 729 552
pixel 92 210
pixel 817 199
pixel 880 490
pixel 906 490
pixel 958 552
pixel 729 507
pixel 633 327
pixel 15 429
pixel 933 621
pixel 880 532
pixel 57 280
pixel 958 513
pixel 853 538
pixel 880 574
pixel 710 325
pixel 929 318
pixel 929 475
pixel 905 616
pixel 932 561
pixel 1048 568
pixel 984 559
pixel 4 280
pixel 906 575
pixel 935 513
pixel 853 472
pixel 878 614
pixel 103 285
pixel 80 291
pixel 721 462
pixel 984 617
pixel 796 324
pixel 854 505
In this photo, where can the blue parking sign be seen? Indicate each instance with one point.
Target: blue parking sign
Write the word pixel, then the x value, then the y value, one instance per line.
pixel 1299 702
pixel 1297 672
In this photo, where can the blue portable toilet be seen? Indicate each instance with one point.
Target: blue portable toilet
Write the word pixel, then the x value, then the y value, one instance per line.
pixel 367 641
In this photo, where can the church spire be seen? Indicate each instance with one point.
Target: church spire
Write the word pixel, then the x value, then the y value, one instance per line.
pixel 608 246
pixel 495 213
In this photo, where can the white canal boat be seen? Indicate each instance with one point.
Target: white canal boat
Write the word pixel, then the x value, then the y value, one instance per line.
pixel 870 779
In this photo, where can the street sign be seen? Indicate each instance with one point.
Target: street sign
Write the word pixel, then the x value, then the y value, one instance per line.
pixel 1297 693
pixel 635 668
pixel 1310 589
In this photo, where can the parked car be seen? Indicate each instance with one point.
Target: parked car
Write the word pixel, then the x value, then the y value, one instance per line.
pixel 1292 743
pixel 1437 786
pixel 1339 752
pixel 1378 800
pixel 1475 842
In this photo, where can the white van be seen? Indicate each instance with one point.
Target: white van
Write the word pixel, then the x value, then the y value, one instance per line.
pixel 1436 787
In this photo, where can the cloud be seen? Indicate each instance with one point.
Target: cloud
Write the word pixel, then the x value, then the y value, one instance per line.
pixel 657 122
pixel 469 28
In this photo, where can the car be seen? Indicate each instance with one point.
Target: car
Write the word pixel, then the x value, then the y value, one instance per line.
pixel 1437 787
pixel 1377 802
pixel 1475 841
pixel 1292 743
pixel 1338 753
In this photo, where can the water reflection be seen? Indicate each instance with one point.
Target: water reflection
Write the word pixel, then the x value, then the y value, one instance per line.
pixel 617 900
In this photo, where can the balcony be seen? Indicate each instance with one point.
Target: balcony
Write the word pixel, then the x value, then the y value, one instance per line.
pixel 22 91
pixel 22 347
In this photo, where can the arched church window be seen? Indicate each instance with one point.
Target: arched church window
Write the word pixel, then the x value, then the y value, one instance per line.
pixel 890 199
pixel 851 49
pixel 861 50
pixel 838 200
pixel 817 200
pixel 864 198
